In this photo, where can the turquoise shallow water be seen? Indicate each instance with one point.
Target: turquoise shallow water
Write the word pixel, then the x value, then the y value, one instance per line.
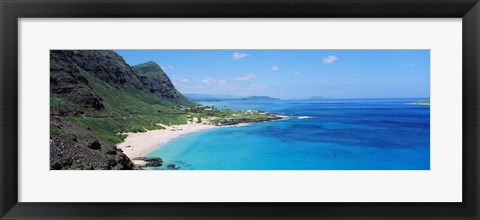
pixel 318 135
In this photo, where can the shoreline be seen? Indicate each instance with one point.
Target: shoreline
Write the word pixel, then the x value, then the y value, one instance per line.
pixel 139 144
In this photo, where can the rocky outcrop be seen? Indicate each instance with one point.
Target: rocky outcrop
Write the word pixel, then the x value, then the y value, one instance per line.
pixel 247 120
pixel 172 167
pixel 73 147
pixel 95 145
pixel 152 161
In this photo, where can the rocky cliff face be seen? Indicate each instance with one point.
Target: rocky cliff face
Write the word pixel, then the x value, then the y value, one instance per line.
pixel 105 64
pixel 67 81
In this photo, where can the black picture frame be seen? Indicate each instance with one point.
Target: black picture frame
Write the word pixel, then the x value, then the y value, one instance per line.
pixel 12 10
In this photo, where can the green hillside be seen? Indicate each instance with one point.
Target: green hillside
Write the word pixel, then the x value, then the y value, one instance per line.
pixel 99 95
pixel 106 105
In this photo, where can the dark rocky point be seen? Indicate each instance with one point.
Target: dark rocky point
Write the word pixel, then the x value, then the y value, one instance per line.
pixel 240 120
pixel 151 161
pixel 95 145
pixel 172 167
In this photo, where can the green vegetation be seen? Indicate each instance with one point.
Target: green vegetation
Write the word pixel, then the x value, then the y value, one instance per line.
pixel 421 102
pixel 126 109
pixel 226 116
pixel 147 68
pixel 110 109
pixel 56 132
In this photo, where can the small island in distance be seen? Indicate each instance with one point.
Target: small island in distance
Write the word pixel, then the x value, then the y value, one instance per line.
pixel 421 102
pixel 208 97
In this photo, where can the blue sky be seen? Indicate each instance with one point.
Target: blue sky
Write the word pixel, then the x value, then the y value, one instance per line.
pixel 294 74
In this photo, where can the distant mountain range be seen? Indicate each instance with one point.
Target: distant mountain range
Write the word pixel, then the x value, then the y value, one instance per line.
pixel 207 97
pixel 259 98
pixel 316 97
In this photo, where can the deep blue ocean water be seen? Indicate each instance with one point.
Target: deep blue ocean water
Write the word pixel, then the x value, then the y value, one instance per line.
pixel 377 134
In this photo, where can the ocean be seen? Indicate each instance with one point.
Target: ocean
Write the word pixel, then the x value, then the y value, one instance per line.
pixel 326 134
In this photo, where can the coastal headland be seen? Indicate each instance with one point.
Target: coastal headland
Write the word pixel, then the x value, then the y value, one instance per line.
pixel 99 102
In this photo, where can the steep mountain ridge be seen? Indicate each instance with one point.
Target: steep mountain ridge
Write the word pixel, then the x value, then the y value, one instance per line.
pixel 105 64
pixel 155 80
pixel 95 97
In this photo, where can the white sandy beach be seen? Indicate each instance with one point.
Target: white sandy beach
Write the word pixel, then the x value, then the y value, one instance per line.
pixel 139 144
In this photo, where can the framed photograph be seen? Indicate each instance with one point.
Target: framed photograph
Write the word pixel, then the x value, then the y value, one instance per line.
pixel 239 109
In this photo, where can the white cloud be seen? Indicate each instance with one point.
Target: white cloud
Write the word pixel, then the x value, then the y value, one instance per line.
pixel 330 59
pixel 167 67
pixel 180 82
pixel 274 67
pixel 211 85
pixel 246 77
pixel 211 80
pixel 297 72
pixel 237 55
pixel 178 78
pixel 251 89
